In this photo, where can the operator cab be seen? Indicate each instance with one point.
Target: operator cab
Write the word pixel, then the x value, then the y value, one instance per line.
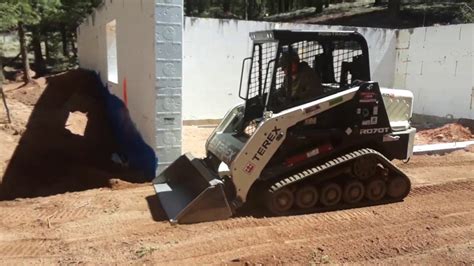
pixel 338 58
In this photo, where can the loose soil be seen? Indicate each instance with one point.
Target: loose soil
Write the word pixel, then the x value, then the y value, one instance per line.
pixel 452 132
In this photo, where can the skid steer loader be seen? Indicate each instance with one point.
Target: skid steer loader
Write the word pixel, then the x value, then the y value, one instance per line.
pixel 332 151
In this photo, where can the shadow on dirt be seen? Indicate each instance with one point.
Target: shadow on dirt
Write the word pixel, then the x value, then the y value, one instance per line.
pixel 49 158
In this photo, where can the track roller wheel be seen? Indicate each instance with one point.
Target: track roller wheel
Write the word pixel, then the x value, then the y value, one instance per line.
pixel 331 194
pixel 398 187
pixel 306 197
pixel 365 167
pixel 353 192
pixel 375 189
pixel 280 201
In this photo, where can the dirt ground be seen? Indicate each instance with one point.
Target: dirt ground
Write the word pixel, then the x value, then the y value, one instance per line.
pixel 434 225
pixel 123 222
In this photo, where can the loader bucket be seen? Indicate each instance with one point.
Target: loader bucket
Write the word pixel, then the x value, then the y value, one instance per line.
pixel 190 193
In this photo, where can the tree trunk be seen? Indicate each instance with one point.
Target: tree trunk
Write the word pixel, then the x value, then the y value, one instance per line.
pixel 246 9
pixel 73 44
pixel 378 3
pixel 2 93
pixel 202 6
pixel 226 6
pixel 2 77
pixel 270 7
pixel 319 6
pixel 252 9
pixel 326 3
pixel 36 42
pixel 286 5
pixel 24 53
pixel 189 7
pixel 394 8
pixel 47 52
pixel 64 41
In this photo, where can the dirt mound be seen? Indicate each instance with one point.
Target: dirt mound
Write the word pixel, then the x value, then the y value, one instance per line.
pixel 447 133
pixel 66 144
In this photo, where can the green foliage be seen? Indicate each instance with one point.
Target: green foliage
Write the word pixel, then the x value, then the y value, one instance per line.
pixel 246 9
pixel 7 16
pixel 53 22
pixel 442 12
pixel 14 11
pixel 72 12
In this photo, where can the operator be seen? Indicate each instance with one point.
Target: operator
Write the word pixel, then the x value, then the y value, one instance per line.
pixel 305 82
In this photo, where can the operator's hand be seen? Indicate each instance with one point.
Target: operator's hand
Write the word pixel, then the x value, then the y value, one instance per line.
pixel 282 97
pixel 357 82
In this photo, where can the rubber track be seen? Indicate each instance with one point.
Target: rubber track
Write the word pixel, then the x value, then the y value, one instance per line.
pixel 337 163
pixel 332 164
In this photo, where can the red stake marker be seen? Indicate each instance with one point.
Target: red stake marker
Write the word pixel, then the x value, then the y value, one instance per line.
pixel 125 97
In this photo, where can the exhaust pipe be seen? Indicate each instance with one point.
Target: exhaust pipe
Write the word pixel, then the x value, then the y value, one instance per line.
pixel 190 193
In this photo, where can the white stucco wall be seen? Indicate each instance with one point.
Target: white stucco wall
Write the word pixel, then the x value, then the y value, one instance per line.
pixel 135 45
pixel 213 53
pixel 436 64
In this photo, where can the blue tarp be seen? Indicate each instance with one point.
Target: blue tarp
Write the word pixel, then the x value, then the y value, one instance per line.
pixel 131 144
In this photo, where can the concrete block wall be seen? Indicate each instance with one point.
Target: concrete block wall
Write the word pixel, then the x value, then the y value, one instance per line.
pixel 436 64
pixel 168 86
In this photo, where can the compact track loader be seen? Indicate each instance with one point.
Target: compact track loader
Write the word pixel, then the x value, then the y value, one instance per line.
pixel 331 151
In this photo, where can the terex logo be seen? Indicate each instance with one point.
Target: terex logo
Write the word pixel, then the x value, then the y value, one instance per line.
pixel 369 131
pixel 273 135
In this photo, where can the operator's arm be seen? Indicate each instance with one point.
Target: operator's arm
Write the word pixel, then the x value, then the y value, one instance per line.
pixel 308 86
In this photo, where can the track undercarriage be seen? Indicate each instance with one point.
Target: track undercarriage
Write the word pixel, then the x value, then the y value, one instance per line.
pixel 360 178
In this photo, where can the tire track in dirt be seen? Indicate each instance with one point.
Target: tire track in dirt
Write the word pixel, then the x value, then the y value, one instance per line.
pixel 14 214
pixel 391 224
pixel 58 208
pixel 24 248
pixel 362 244
pixel 117 227
pixel 448 187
